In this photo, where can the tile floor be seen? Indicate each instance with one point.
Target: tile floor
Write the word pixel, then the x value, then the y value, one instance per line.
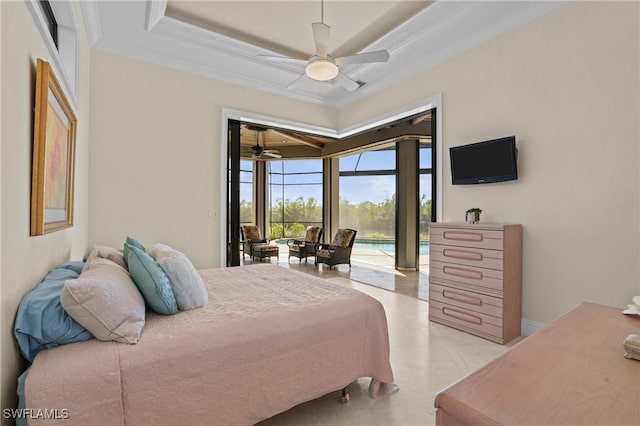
pixel 373 267
pixel 425 356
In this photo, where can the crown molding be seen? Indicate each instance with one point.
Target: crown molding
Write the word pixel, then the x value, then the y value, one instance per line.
pixel 197 68
pixel 481 22
pixel 155 12
pixel 91 17
pixel 64 58
pixel 437 33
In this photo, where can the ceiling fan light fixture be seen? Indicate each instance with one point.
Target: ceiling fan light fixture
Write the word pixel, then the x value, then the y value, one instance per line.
pixel 322 69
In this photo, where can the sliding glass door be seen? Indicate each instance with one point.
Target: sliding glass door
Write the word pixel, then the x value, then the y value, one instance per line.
pixel 426 200
pixel 389 207
pixel 247 202
pixel 368 199
pixel 233 194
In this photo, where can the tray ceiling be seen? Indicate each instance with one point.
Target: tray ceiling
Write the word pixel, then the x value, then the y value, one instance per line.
pixel 221 39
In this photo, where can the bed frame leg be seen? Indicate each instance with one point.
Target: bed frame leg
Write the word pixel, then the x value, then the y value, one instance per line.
pixel 344 397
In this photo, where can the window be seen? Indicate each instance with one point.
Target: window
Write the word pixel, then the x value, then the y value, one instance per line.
pixel 368 195
pixel 426 193
pixel 295 197
pixel 247 205
pixel 372 161
pixel 50 20
pixel 56 21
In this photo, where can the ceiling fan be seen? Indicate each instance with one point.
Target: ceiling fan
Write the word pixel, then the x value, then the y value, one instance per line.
pixel 258 152
pixel 324 67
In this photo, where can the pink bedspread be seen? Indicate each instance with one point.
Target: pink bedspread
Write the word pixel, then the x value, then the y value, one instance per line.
pixel 269 339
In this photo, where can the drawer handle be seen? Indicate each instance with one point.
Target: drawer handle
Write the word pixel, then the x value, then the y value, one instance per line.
pixel 462 236
pixel 459 297
pixel 462 316
pixel 462 273
pixel 462 254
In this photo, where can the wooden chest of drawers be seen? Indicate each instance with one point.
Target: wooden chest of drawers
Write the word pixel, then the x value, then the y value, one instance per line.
pixel 475 278
pixel 572 372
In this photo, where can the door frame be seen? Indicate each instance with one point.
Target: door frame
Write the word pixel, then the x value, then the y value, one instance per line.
pixel 432 102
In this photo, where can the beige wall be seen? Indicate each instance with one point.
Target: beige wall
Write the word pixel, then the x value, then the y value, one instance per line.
pixel 155 152
pixel 556 83
pixel 567 86
pixel 25 260
pixel 2 313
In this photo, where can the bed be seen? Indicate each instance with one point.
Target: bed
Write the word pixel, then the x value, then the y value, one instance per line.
pixel 269 339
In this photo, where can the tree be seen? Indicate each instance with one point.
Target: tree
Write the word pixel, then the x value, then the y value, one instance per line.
pixel 294 216
pixel 297 230
pixel 425 217
pixel 369 218
pixel 277 231
pixel 246 212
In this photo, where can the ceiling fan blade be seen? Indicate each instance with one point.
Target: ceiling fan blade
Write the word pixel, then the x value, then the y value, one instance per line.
pixel 272 154
pixel 297 82
pixel 283 59
pixel 321 38
pixel 347 82
pixel 364 58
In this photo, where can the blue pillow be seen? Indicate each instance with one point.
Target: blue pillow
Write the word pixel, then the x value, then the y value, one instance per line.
pixel 130 242
pixel 42 322
pixel 151 280
pixel 74 265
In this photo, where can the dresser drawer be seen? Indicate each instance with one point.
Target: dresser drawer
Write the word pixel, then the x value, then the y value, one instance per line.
pixel 477 323
pixel 468 300
pixel 482 258
pixel 480 277
pixel 468 237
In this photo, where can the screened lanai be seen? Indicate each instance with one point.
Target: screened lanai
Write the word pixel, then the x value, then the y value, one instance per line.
pixel 379 183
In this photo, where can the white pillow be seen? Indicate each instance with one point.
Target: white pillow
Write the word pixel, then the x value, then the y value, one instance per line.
pixel 186 282
pixel 157 249
pixel 105 252
pixel 105 301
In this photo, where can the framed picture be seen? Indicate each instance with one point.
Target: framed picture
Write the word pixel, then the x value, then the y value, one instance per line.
pixel 54 143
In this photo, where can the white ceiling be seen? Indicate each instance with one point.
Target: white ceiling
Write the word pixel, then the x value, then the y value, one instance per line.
pixel 221 39
pixel 285 26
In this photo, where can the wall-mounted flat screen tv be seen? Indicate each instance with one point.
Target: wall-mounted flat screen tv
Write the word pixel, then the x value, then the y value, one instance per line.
pixel 484 162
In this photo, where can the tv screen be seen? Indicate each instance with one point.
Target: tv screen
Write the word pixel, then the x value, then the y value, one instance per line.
pixel 484 162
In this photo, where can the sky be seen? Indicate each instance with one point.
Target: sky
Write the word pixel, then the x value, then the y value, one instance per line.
pixel 356 189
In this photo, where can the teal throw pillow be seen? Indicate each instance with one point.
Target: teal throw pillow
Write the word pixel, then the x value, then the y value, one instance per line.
pixel 151 280
pixel 131 242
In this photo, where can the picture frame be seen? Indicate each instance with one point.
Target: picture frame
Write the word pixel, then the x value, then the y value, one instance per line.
pixel 54 143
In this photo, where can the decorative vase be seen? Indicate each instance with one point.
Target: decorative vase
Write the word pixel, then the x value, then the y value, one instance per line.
pixel 473 217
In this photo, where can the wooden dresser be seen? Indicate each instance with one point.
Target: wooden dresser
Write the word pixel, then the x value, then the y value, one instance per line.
pixel 475 278
pixel 572 372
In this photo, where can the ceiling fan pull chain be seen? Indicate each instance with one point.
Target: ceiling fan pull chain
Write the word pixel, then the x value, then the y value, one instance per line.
pixel 322 11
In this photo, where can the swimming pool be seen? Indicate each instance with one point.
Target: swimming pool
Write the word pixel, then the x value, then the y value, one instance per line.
pixel 386 245
pixel 382 245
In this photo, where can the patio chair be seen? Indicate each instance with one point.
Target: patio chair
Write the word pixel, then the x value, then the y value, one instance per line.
pixel 339 251
pixel 251 236
pixel 307 247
